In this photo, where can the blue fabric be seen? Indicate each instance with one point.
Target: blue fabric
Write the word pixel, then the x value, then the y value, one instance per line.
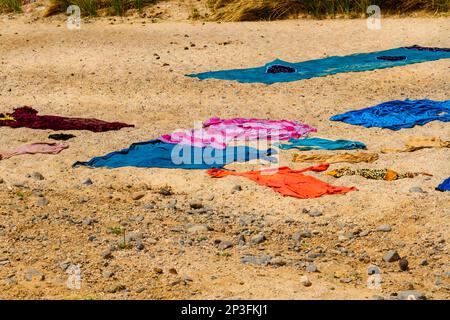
pixel 398 114
pixel 326 66
pixel 158 154
pixel 444 186
pixel 322 144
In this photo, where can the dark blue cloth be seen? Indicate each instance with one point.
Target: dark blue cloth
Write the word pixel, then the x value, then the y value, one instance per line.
pixel 158 154
pixel 398 114
pixel 444 186
pixel 321 144
pixel 327 66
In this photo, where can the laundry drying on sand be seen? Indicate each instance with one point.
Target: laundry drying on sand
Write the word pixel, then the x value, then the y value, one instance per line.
pixel 61 136
pixel 288 182
pixel 29 118
pixel 283 71
pixel 159 154
pixel 322 144
pixel 417 143
pixel 33 148
pixel 398 114
pixel 217 132
pixel 444 186
pixel 336 158
pixel 374 174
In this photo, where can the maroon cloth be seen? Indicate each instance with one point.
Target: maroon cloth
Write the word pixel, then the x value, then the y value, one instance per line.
pixel 28 117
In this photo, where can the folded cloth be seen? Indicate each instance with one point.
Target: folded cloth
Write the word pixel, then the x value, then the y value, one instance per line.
pixel 321 144
pixel 158 154
pixel 336 158
pixel 374 174
pixel 288 182
pixel 217 132
pixel 49 148
pixel 444 186
pixel 398 114
pixel 417 143
pixel 29 118
pixel 61 136
pixel 327 66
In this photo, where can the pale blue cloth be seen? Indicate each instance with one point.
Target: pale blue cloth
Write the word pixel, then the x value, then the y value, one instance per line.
pixel 321 144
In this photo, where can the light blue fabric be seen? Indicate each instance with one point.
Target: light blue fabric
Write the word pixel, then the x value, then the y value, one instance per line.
pixel 398 114
pixel 321 144
pixel 325 66
pixel 444 186
pixel 158 154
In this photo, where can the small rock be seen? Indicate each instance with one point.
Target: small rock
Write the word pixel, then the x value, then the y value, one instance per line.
pixel 301 234
pixel 345 280
pixel 196 205
pixel 140 290
pixel 305 281
pixel 42 202
pixel 259 238
pixel 140 245
pixel 107 254
pixel 11 279
pixel 314 213
pixel 278 261
pixel 32 274
pixel 172 204
pixel 138 196
pixel 424 262
pixel 158 270
pixel 236 188
pixel 384 228
pixel 225 245
pixel 416 190
pixel 87 182
pixel 149 206
pixel 4 261
pixel 403 264
pixel 107 274
pixel 257 260
pixel 411 295
pixel 391 256
pixel 197 228
pixel 311 267
pixel 173 271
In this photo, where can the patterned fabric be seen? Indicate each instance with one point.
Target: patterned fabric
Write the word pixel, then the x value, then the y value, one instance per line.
pixel 49 148
pixel 29 118
pixel 217 133
pixel 288 182
pixel 336 158
pixel 374 174
pixel 321 144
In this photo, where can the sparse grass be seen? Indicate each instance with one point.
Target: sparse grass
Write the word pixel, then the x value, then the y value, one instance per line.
pixel 116 230
pixel 10 5
pixel 253 10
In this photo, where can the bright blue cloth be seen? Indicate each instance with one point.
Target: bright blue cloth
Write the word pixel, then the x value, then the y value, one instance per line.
pixel 158 154
pixel 322 144
pixel 444 186
pixel 325 66
pixel 398 114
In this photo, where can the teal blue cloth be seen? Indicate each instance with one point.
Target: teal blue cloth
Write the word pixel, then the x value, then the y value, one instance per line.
pixel 328 66
pixel 398 114
pixel 322 144
pixel 444 186
pixel 158 154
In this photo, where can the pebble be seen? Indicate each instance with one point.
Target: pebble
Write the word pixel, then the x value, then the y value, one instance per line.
pixel 138 196
pixel 403 264
pixel 107 254
pixel 311 267
pixel 225 245
pixel 257 260
pixel 384 228
pixel 196 205
pixel 172 204
pixel 32 274
pixel 411 295
pixel 11 279
pixel 314 213
pixel 391 256
pixel 197 228
pixel 301 234
pixel 424 262
pixel 107 274
pixel 87 182
pixel 305 281
pixel 149 206
pixel 236 188
pixel 140 245
pixel 278 261
pixel 259 238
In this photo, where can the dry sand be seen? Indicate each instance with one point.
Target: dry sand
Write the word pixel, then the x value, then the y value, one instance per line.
pixel 110 71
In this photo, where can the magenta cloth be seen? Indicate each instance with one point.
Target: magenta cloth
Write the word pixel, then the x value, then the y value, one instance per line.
pixel 29 118
pixel 39 147
pixel 217 133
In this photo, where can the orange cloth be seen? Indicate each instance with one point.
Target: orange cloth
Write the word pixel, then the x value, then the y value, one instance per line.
pixel 288 182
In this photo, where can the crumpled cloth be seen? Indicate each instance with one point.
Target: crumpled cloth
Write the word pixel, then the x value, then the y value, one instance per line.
pixel 374 174
pixel 29 118
pixel 321 144
pixel 40 147
pixel 398 114
pixel 217 133
pixel 159 154
pixel 444 186
pixel 417 143
pixel 288 182
pixel 336 158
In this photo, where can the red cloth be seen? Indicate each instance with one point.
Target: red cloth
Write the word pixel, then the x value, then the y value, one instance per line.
pixel 28 117
pixel 288 182
pixel 40 147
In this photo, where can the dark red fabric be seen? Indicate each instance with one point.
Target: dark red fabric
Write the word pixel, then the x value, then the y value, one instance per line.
pixel 29 118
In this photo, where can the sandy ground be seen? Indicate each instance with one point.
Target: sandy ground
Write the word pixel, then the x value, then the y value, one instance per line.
pixel 109 70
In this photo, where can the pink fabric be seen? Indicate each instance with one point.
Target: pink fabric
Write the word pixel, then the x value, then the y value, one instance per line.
pixel 52 148
pixel 218 132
